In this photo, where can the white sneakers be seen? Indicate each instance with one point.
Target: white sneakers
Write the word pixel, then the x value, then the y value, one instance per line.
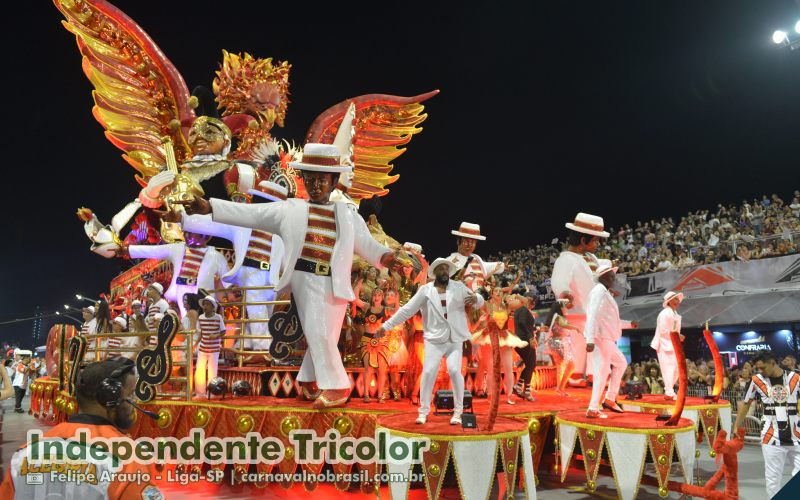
pixel 422 419
pixel 456 420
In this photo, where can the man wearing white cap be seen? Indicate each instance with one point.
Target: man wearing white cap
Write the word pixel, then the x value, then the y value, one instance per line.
pixel 320 238
pixel 442 303
pixel 258 257
pixel 194 265
pixel 668 321
pixel 603 330
pixel 211 327
pixel 89 322
pixel 572 279
pixel 119 325
pixel 478 271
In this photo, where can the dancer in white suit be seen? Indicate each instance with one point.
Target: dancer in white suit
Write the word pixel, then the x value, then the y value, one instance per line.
pixel 603 330
pixel 194 265
pixel 572 279
pixel 442 303
pixel 320 238
pixel 468 236
pixel 258 259
pixel 668 321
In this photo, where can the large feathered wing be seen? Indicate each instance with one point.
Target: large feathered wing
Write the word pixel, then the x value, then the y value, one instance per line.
pixel 383 124
pixel 139 96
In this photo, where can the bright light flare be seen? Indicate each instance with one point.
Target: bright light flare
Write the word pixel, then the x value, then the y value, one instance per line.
pixel 797 27
pixel 780 36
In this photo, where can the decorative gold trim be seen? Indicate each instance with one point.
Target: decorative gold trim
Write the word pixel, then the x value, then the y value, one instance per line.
pixel 442 471
pixel 661 430
pixel 283 409
pixel 669 406
pixel 444 437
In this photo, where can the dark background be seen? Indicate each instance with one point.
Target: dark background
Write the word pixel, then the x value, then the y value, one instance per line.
pixel 629 110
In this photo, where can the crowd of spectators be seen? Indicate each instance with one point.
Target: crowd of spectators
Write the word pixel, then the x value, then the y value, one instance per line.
pixel 754 229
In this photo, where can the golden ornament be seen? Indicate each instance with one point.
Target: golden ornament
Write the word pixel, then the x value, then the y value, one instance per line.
pixel 509 443
pixel 709 413
pixel 434 470
pixel 712 454
pixel 696 453
pixel 71 407
pixel 511 466
pixel 289 453
pixel 662 460
pixel 288 424
pixel 710 429
pixel 164 418
pixel 590 434
pixel 533 447
pixel 343 424
pixel 201 417
pixel 663 492
pixel 434 447
pixel 244 424
pixel 591 486
pixel 534 426
pixel 591 454
pixel 661 438
pixel 555 442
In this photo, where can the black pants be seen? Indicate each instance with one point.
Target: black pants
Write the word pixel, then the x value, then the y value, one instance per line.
pixel 19 393
pixel 528 356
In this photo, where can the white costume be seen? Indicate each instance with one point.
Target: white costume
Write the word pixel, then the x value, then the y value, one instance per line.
pixel 479 271
pixel 445 330
pixel 604 329
pixel 321 298
pixel 258 261
pixel 188 274
pixel 571 273
pixel 780 414
pixel 668 321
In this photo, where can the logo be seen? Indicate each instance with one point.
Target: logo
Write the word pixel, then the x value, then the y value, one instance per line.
pixel 702 278
pixel 779 394
pixel 34 478
pixel 791 274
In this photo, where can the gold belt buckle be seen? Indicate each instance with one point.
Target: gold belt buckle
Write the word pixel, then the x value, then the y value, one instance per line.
pixel 321 269
pixel 264 265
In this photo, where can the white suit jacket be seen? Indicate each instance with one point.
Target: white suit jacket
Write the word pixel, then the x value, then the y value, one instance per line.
pixel 489 268
pixel 213 264
pixel 436 328
pixel 668 321
pixel 240 237
pixel 571 273
pixel 289 220
pixel 602 317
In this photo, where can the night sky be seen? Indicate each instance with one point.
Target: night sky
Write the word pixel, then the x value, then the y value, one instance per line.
pixel 629 111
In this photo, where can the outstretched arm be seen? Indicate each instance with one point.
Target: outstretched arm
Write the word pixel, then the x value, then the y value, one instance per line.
pixel 407 311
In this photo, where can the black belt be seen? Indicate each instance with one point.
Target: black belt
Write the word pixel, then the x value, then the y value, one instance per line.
pixel 791 411
pixel 258 264
pixel 309 266
pixel 186 281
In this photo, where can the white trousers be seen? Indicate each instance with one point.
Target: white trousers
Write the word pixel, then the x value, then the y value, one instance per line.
pixel 606 358
pixel 250 276
pixel 434 353
pixel 668 362
pixel 206 361
pixel 582 361
pixel 774 461
pixel 321 314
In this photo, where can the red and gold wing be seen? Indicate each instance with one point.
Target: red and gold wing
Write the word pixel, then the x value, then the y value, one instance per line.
pixel 139 96
pixel 383 124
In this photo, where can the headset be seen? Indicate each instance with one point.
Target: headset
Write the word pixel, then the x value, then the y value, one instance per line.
pixel 109 392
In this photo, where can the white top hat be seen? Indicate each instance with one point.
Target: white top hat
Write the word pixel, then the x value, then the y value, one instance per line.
pixel 121 321
pixel 588 224
pixel 469 230
pixel 208 298
pixel 603 269
pixel 22 352
pixel 136 301
pixel 672 295
pixel 271 191
pixel 321 158
pixel 158 287
pixel 91 309
pixel 451 265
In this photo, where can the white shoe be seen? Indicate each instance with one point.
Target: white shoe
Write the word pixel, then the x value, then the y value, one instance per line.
pixel 422 419
pixel 456 420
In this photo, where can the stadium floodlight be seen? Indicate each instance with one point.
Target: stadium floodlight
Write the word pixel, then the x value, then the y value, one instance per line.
pixel 797 27
pixel 780 37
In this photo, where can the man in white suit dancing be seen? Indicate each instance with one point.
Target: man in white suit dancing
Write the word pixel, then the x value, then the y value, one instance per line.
pixel 320 238
pixel 668 321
